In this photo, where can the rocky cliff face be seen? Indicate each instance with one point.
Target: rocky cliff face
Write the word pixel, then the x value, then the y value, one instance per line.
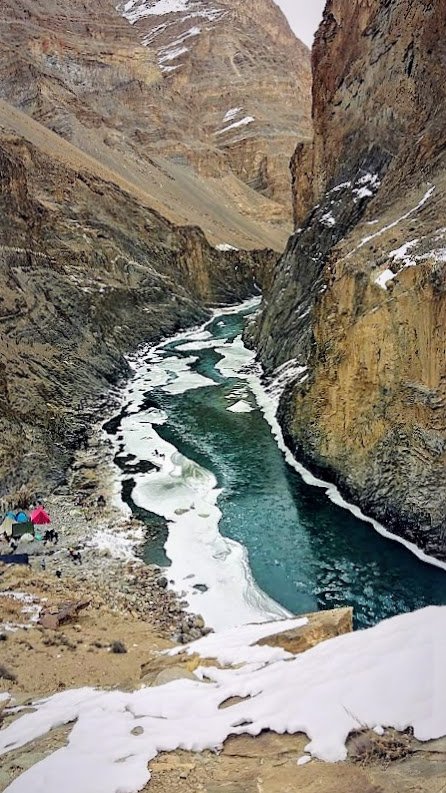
pixel 87 274
pixel 356 315
pixel 86 72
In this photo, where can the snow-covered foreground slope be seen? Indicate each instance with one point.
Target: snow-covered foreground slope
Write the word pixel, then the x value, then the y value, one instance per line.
pixel 387 676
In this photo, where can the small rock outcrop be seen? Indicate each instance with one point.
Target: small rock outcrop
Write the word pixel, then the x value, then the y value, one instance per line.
pixel 321 625
pixel 357 310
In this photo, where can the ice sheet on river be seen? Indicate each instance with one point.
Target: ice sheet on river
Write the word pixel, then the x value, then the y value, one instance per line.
pixel 184 377
pixel 241 407
pixel 212 572
pixel 185 494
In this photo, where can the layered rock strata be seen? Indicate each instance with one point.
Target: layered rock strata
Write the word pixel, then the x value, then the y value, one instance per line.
pixel 88 272
pixel 89 72
pixel 238 84
pixel 107 236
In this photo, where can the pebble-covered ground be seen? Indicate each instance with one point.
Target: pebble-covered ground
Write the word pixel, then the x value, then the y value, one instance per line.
pixel 107 541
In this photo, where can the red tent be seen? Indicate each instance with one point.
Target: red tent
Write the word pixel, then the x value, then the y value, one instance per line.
pixel 39 516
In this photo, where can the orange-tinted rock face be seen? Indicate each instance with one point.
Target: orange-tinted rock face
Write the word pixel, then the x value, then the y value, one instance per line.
pixel 359 296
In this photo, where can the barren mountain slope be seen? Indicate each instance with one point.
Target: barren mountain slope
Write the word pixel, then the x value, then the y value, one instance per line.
pixel 360 294
pixel 238 86
pixel 88 271
pixel 99 241
pixel 82 70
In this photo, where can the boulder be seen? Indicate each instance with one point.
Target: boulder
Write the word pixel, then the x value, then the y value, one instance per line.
pixel 176 672
pixel 52 618
pixel 321 625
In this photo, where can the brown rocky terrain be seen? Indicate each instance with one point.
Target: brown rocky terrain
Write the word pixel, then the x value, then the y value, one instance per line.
pixel 44 661
pixel 239 83
pixel 89 271
pixel 83 71
pixel 104 243
pixel 359 295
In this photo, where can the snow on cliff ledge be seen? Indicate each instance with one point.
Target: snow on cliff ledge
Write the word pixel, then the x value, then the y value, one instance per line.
pixel 388 676
pixel 133 10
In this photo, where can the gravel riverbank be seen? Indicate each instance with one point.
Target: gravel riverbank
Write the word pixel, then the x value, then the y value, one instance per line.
pixel 108 540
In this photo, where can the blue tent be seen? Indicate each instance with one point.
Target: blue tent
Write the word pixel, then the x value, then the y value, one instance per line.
pixel 22 517
pixel 10 514
pixel 14 558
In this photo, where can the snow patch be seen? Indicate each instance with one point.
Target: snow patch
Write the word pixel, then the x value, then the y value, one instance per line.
pixel 118 544
pixel 289 372
pixel 352 681
pixel 342 186
pixel 176 48
pixel 225 247
pixel 242 123
pixel 401 254
pixel 238 645
pixel 241 407
pixel 392 225
pixel 367 186
pixel 232 113
pixel 407 259
pixel 384 277
pixel 137 9
pixel 171 54
pixel 134 10
pixel 328 220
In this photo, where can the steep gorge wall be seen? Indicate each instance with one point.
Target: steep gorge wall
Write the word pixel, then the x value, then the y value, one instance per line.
pixel 359 297
pixel 87 274
pixel 103 243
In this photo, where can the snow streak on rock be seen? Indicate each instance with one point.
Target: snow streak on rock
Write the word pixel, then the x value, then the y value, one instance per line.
pixel 176 13
pixel 134 10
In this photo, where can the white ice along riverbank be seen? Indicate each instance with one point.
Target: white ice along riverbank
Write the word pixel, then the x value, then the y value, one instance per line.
pixel 387 676
pixel 186 494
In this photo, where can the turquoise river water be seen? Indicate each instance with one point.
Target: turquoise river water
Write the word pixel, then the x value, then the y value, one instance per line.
pixel 304 551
